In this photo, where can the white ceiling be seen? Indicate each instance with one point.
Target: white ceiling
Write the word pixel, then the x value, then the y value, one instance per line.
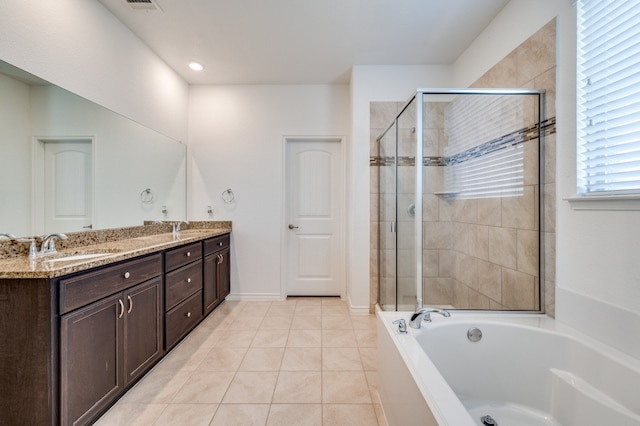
pixel 304 41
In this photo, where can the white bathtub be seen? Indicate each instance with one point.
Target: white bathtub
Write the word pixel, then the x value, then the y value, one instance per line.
pixel 526 370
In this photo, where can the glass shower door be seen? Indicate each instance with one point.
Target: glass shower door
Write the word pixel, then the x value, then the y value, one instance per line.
pixel 406 208
pixel 387 218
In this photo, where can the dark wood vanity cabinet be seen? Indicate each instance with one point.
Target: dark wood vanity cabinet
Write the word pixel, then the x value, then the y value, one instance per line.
pixel 108 344
pixel 183 292
pixel 216 271
pixel 70 346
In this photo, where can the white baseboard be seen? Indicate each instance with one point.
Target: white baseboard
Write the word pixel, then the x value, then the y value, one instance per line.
pixel 255 297
pixel 357 310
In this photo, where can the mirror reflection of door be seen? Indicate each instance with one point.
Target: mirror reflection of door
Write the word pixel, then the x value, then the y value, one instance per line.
pixel 68 185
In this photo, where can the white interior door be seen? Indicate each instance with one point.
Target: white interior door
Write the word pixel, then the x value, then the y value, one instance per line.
pixel 68 185
pixel 315 217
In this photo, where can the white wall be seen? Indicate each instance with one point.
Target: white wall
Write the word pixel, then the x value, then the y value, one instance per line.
pixel 373 84
pixel 597 267
pixel 236 141
pixel 80 46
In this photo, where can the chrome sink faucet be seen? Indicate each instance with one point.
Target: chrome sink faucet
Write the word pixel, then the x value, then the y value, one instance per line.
pixel 176 227
pixel 8 236
pixel 424 314
pixel 48 243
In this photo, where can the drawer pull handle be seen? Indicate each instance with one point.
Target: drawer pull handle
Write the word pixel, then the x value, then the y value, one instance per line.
pixel 188 280
pixel 127 274
pixel 220 243
pixel 188 315
pixel 130 304
pixel 121 308
pixel 188 254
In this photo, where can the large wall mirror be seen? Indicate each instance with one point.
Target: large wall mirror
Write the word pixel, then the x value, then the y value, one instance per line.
pixel 71 165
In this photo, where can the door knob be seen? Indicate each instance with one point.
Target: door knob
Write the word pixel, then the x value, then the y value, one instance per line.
pixel 292 226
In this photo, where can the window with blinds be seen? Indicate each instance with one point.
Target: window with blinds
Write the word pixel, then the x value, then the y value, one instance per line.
pixel 485 153
pixel 608 97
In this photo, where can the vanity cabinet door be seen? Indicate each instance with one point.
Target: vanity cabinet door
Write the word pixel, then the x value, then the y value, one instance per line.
pixel 142 328
pixel 107 345
pixel 210 283
pixel 217 283
pixel 224 274
pixel 91 348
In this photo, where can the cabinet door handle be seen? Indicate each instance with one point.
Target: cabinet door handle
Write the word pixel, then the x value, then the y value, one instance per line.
pixel 121 308
pixel 127 274
pixel 219 259
pixel 130 304
pixel 188 315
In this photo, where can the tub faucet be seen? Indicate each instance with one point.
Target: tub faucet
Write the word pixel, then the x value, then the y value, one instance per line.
pixel 424 314
pixel 49 244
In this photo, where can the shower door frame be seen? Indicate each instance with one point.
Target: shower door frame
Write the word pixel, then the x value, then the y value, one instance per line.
pixel 418 96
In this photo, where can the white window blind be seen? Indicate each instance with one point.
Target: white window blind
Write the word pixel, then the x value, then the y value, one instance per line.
pixel 608 97
pixel 483 158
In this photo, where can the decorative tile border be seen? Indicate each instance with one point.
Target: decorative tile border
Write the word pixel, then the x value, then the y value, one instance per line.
pixel 515 138
pixel 512 139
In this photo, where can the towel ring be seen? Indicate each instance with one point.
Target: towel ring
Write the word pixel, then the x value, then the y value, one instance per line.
pixel 146 196
pixel 228 196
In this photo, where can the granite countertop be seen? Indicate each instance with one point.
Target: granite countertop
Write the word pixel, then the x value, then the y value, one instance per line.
pixel 105 253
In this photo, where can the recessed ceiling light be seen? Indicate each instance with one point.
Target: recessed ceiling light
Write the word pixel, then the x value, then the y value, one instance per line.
pixel 196 66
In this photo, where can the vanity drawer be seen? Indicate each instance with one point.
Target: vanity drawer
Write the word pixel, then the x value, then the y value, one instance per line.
pixel 182 283
pixel 213 245
pixel 181 319
pixel 182 255
pixel 83 289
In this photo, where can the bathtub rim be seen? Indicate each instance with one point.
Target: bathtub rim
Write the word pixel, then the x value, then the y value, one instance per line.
pixel 445 406
pixel 443 403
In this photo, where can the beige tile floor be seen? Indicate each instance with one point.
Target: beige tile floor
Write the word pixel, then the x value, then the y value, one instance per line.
pixel 303 361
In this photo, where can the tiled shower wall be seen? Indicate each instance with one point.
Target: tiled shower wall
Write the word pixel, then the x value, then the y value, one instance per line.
pixel 490 238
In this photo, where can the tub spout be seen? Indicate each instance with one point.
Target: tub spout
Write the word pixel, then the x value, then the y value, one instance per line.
pixel 424 314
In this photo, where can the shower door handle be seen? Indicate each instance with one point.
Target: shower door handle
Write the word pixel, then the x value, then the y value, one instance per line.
pixel 393 227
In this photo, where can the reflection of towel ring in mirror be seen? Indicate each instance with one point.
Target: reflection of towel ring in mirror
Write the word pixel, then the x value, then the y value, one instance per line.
pixel 228 196
pixel 146 196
